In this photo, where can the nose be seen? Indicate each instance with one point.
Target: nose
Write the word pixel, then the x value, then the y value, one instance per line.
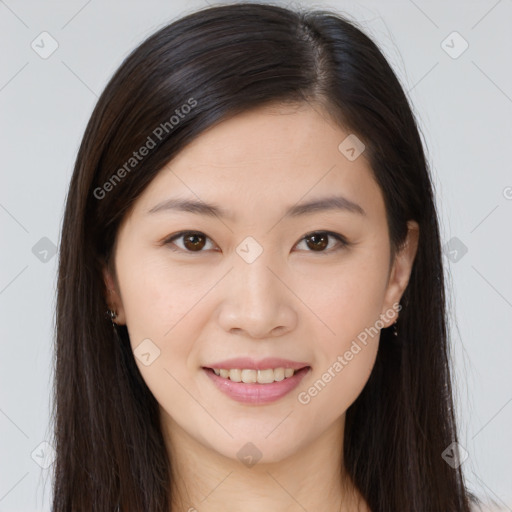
pixel 256 300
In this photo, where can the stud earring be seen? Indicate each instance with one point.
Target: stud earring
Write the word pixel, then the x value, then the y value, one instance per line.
pixel 395 328
pixel 112 315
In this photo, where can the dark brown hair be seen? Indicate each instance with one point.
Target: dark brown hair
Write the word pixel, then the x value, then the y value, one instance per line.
pixel 221 61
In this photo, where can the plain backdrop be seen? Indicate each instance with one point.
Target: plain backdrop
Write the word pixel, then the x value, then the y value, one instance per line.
pixel 453 58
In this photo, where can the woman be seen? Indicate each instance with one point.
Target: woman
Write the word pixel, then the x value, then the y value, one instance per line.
pixel 252 206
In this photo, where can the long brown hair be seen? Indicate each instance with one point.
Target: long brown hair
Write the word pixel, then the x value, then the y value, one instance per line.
pixel 218 62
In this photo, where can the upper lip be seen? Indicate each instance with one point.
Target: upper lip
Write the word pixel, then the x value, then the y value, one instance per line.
pixel 247 363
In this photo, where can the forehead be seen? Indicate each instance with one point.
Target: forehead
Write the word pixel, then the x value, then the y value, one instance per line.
pixel 271 156
pixel 284 133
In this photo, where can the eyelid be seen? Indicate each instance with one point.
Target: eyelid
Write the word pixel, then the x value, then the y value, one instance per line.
pixel 342 241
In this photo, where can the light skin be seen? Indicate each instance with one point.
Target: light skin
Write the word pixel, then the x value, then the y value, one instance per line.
pixel 294 301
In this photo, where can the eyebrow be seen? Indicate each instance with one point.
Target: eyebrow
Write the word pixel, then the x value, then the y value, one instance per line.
pixel 201 208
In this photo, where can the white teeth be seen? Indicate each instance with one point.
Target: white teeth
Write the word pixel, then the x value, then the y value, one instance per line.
pixel 279 374
pixel 235 375
pixel 252 376
pixel 268 376
pixel 249 376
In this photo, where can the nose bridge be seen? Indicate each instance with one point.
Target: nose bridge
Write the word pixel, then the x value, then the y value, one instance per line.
pixel 257 300
pixel 258 283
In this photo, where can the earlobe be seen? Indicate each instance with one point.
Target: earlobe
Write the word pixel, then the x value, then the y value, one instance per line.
pixel 113 298
pixel 401 270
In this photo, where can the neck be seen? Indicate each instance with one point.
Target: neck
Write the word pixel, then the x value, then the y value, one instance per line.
pixel 312 478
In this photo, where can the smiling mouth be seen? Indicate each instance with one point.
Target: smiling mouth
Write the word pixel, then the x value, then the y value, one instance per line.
pixel 250 376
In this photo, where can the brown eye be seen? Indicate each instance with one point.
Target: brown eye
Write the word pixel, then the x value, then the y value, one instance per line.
pixel 319 240
pixel 193 241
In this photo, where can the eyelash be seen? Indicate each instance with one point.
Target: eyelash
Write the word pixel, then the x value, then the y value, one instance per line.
pixel 342 241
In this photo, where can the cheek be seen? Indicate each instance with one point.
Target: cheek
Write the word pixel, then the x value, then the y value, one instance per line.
pixel 346 358
pixel 158 302
pixel 348 297
pixel 348 300
pixel 159 307
pixel 335 387
pixel 153 291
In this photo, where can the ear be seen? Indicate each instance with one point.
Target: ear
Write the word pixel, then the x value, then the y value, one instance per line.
pixel 113 296
pixel 401 270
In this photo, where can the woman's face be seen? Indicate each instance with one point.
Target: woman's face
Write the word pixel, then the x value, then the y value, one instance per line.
pixel 249 283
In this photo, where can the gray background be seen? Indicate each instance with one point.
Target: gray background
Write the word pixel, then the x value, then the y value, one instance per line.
pixel 464 106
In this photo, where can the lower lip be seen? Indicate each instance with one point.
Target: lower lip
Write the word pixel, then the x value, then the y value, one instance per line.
pixel 255 393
